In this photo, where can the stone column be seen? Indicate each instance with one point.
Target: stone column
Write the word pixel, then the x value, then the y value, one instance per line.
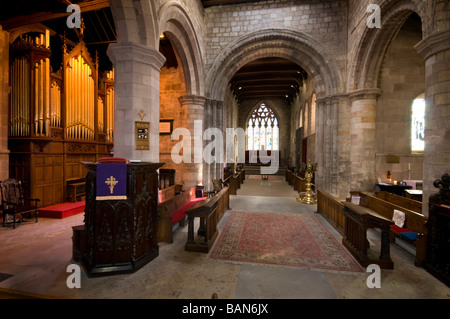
pixel 137 70
pixel 363 139
pixel 436 52
pixel 194 109
pixel 220 125
pixel 327 147
pixel 4 94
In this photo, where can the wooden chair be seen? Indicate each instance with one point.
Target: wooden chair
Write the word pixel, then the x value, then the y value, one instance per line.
pixel 13 202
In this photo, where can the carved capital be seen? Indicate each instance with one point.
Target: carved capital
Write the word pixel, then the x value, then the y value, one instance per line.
pixel 434 44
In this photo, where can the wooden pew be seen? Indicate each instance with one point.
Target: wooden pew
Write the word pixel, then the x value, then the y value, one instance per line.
pixel 173 211
pixel 414 222
pixel 408 203
pixel 76 189
pixel 169 192
pixel 332 209
pixel 357 220
pixel 166 177
pixel 233 182
pixel 210 212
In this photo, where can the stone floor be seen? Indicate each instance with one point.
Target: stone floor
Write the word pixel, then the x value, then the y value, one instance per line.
pixel 37 255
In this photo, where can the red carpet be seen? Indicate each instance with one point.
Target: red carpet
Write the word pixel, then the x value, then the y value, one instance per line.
pixel 282 239
pixel 62 210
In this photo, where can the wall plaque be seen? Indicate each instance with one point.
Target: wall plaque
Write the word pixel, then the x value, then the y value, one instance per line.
pixel 142 135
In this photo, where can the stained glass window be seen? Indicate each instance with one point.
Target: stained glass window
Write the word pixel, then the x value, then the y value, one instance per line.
pixel 262 130
pixel 418 125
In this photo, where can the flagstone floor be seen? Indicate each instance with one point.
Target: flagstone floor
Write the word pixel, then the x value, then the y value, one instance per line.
pixel 37 256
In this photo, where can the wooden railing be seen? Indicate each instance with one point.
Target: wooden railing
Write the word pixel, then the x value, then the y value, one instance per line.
pixel 332 209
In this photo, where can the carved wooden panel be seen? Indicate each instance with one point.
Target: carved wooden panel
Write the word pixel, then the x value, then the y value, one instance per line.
pixel 121 235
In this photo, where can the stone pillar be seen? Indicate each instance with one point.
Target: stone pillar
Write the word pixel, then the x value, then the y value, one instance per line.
pixel 4 94
pixel 363 139
pixel 220 125
pixel 436 52
pixel 327 147
pixel 137 70
pixel 194 109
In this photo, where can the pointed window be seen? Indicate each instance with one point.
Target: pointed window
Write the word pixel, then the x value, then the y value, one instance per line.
pixel 418 125
pixel 262 130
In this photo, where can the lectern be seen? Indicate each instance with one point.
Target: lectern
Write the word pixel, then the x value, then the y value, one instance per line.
pixel 120 236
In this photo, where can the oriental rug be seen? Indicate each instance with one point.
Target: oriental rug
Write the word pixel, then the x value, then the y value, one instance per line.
pixel 282 239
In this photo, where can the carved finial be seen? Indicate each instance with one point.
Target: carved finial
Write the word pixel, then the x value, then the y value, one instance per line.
pixel 443 184
pixel 443 197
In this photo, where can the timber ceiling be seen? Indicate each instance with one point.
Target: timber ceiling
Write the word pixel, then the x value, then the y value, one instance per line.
pixel 268 78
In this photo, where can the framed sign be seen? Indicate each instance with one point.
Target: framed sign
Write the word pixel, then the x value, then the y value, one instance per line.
pixel 142 131
pixel 165 127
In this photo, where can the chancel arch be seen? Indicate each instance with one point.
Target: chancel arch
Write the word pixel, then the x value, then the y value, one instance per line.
pixel 288 44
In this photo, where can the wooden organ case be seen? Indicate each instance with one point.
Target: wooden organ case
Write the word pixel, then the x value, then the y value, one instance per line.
pixel 56 119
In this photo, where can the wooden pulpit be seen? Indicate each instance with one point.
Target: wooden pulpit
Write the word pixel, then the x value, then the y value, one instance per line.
pixel 120 236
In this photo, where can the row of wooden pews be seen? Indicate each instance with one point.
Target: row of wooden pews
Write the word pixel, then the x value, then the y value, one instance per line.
pixel 173 203
pixel 234 181
pixel 298 180
pixel 210 212
pixel 353 219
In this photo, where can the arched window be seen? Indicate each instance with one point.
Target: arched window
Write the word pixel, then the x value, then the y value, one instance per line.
pixel 262 130
pixel 313 114
pixel 300 120
pixel 418 124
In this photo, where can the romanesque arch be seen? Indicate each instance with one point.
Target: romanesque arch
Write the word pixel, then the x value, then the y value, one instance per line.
pixel 289 44
pixel 175 22
pixel 136 21
pixel 365 65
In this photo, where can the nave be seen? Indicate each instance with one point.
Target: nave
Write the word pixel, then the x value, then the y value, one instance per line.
pixel 37 255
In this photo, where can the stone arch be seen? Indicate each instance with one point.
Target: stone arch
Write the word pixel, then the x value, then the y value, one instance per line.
pixel 136 21
pixel 368 59
pixel 289 44
pixel 176 24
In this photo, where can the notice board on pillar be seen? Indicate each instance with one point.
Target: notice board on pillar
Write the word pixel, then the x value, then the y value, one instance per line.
pixel 142 130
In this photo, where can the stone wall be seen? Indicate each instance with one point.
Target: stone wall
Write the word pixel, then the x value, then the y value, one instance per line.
pixel 172 86
pixel 402 80
pixel 324 20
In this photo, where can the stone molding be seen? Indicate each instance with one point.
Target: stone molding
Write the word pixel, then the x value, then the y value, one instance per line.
pixel 434 44
pixel 122 52
pixel 365 94
pixel 192 100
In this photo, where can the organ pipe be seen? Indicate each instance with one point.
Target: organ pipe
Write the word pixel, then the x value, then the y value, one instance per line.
pixel 80 99
pixel 37 102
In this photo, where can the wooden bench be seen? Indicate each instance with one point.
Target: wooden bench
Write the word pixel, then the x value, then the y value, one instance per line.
pixel 408 203
pixel 415 223
pixel 357 220
pixel 172 212
pixel 169 192
pixel 76 188
pixel 210 212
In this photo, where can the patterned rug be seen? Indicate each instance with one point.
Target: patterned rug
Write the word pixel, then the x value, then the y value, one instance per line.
pixel 282 239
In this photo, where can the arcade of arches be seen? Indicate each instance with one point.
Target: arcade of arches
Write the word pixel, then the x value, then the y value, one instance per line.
pixel 341 93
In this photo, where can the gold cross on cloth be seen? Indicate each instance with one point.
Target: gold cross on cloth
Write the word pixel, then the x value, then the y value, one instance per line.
pixel 111 182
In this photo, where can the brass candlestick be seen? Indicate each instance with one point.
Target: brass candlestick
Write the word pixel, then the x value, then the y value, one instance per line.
pixel 309 198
